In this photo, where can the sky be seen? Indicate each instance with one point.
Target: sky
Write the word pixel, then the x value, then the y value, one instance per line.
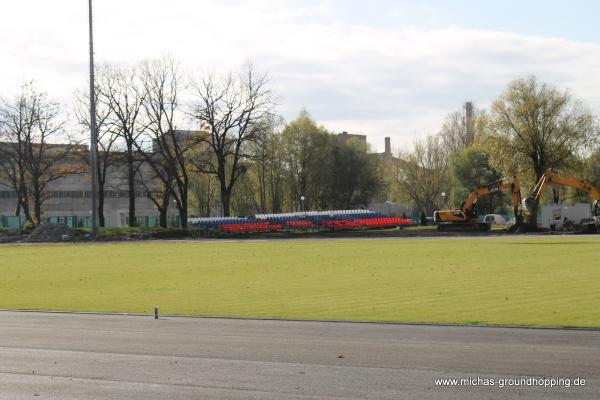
pixel 380 68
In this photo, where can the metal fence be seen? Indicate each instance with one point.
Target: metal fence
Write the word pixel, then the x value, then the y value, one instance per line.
pixel 74 221
pixel 12 222
pixel 71 221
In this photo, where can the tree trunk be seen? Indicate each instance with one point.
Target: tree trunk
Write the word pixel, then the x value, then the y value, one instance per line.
pixel 24 201
pixel 225 201
pixel 37 209
pixel 262 187
pixel 163 206
pixel 131 187
pixel 225 194
pixel 27 213
pixel 101 205
pixel 183 210
pixel 162 218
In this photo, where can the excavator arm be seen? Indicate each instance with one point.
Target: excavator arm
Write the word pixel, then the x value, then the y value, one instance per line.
pixel 550 177
pixel 468 213
pixel 495 187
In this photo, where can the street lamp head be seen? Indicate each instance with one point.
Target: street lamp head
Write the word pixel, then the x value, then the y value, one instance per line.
pixel 302 198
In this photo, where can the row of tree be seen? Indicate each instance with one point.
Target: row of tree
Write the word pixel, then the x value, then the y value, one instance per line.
pixel 139 112
pixel 300 165
pixel 235 155
pixel 530 127
pixel 239 157
pixel 28 159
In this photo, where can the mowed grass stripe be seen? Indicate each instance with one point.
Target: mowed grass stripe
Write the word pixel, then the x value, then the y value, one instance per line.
pixel 544 281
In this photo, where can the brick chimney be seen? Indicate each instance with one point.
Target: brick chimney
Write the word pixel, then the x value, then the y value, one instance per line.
pixel 388 146
pixel 469 118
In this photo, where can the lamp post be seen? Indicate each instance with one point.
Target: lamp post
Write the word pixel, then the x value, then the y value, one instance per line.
pixel 93 133
pixel 444 199
pixel 302 198
pixel 176 205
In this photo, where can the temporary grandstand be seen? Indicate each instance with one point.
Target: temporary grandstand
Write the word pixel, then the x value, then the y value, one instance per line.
pixel 311 220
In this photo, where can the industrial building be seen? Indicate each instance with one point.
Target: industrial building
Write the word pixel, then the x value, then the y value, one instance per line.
pixel 68 198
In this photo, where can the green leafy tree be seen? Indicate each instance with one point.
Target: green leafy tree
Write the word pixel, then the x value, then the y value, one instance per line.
pixel 308 158
pixel 536 126
pixel 356 176
pixel 269 156
pixel 469 169
pixel 592 168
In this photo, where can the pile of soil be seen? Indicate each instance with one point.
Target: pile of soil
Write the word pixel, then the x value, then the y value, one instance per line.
pixel 51 233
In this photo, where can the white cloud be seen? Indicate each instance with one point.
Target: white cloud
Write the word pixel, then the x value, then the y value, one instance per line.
pixel 380 81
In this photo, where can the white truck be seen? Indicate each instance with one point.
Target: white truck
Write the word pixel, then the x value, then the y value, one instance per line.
pixel 565 217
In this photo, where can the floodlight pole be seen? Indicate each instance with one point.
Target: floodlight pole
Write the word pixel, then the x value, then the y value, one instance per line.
pixel 93 133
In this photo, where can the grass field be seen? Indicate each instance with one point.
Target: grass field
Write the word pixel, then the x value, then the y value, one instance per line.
pixel 546 281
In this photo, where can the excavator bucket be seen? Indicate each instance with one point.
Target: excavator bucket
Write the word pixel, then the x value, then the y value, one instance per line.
pixel 528 204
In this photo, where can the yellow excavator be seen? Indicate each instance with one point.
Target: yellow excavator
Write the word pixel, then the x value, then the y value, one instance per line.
pixel 467 218
pixel 553 177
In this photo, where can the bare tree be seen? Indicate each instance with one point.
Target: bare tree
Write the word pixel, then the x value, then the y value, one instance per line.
pixel 30 160
pixel 120 91
pixel 107 139
pixel 15 121
pixel 460 129
pixel 230 110
pixel 204 190
pixel 422 175
pixel 168 156
pixel 160 196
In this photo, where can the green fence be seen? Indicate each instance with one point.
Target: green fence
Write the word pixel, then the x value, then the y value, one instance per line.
pixel 148 221
pixel 74 221
pixel 86 222
pixel 11 222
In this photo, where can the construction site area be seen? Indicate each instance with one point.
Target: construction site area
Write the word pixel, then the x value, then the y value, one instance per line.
pixel 528 217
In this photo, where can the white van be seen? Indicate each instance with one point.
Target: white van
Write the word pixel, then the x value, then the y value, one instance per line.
pixel 496 219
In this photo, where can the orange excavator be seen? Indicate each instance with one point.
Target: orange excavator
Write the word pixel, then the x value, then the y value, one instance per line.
pixel 467 218
pixel 553 177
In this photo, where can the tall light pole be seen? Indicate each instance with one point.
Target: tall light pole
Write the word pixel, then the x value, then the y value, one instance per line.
pixel 93 133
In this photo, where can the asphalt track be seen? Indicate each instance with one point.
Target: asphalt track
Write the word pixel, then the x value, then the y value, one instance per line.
pixel 87 356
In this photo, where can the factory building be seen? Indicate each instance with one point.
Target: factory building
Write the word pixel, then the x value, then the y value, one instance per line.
pixel 68 198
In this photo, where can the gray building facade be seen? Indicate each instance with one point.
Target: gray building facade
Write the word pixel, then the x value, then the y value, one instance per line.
pixel 68 199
